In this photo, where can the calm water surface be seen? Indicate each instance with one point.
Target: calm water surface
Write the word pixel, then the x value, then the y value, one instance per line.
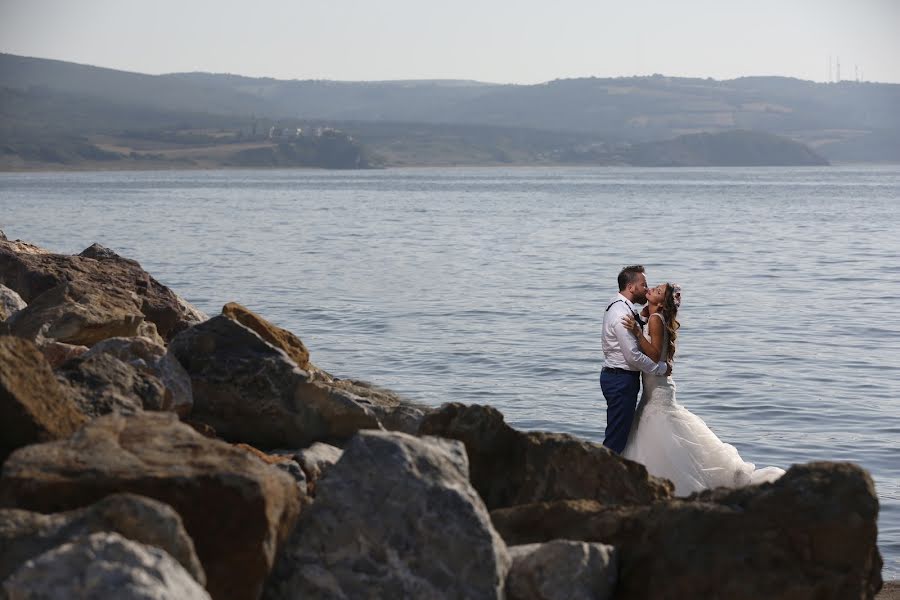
pixel 488 285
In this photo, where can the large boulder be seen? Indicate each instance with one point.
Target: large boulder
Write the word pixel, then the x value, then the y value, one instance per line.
pixel 811 534
pixel 278 337
pixel 393 412
pixel 25 534
pixel 395 518
pixel 562 570
pixel 58 353
pixel 78 313
pixel 250 391
pixel 102 384
pixel 33 407
pixel 10 302
pixel 32 271
pixel 151 358
pixel 103 565
pixel 237 509
pixel 510 467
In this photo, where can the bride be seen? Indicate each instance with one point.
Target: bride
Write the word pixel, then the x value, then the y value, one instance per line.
pixel 667 438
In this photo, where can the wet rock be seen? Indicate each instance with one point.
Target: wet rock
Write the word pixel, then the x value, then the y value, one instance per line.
pixel 32 271
pixel 103 565
pixel 811 534
pixel 151 358
pixel 10 302
pixel 561 570
pixel 33 407
pixel 249 391
pixel 101 384
pixel 278 337
pixel 25 535
pixel 237 510
pixel 510 467
pixel 395 518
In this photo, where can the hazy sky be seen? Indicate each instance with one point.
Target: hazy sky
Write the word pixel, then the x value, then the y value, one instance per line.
pixel 520 41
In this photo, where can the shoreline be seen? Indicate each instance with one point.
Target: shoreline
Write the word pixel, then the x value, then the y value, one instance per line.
pixel 96 168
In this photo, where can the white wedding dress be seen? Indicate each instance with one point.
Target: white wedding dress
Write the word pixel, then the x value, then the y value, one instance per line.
pixel 676 444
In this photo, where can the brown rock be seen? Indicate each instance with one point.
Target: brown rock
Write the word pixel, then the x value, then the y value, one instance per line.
pixel 510 467
pixel 278 337
pixel 811 534
pixel 101 383
pixel 32 405
pixel 57 353
pixel 79 314
pixel 25 534
pixel 249 391
pixel 394 412
pixel 237 510
pixel 32 271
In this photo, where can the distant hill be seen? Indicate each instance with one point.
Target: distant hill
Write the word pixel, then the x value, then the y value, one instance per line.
pixel 727 149
pixel 848 121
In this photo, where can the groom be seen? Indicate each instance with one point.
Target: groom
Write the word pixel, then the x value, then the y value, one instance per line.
pixel 620 378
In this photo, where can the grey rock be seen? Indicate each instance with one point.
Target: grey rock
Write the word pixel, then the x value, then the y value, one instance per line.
pixel 148 356
pixel 395 518
pixel 10 302
pixel 511 467
pixel 237 510
pixel 103 565
pixel 249 391
pixel 314 461
pixel 562 570
pixel 25 534
pixel 101 384
pixel 811 534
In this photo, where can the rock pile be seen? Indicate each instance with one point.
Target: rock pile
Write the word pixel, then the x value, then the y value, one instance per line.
pixel 148 450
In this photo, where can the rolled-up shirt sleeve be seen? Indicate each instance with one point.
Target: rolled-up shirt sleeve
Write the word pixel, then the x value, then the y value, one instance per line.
pixel 632 353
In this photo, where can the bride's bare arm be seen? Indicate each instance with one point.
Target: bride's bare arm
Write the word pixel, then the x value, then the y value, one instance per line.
pixel 652 347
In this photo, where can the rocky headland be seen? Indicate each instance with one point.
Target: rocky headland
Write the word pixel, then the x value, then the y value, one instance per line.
pixel 149 450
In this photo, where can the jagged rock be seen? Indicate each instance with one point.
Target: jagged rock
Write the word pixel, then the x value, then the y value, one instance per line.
pixel 280 461
pixel 561 570
pixel 314 461
pixel 58 353
pixel 278 337
pixel 250 391
pixel 811 534
pixel 510 467
pixel 10 302
pixel 237 510
pixel 32 405
pixel 103 565
pixel 32 271
pixel 152 358
pixel 25 535
pixel 393 412
pixel 78 314
pixel 395 518
pixel 148 330
pixel 101 383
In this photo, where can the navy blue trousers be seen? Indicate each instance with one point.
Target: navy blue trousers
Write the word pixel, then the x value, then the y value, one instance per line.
pixel 621 393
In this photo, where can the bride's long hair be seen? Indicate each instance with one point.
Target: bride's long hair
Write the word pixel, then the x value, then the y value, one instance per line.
pixel 669 311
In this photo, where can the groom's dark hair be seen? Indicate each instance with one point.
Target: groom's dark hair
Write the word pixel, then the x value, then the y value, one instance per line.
pixel 628 275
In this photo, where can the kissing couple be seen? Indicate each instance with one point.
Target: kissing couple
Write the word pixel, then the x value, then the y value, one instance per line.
pixel 639 352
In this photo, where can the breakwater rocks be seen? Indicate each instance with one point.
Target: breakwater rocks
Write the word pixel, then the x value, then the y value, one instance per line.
pixel 149 450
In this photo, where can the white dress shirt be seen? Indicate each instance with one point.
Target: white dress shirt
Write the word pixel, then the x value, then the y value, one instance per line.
pixel 620 347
